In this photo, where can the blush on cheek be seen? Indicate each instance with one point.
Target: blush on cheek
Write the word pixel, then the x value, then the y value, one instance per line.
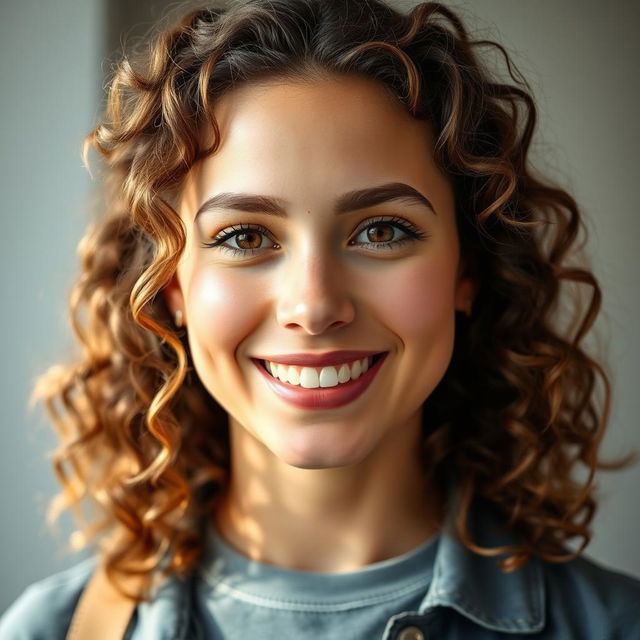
pixel 419 299
pixel 221 313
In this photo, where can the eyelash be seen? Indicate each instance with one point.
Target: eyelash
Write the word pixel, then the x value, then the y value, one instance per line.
pixel 413 233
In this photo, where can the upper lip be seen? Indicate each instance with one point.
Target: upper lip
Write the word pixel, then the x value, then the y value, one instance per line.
pixel 319 359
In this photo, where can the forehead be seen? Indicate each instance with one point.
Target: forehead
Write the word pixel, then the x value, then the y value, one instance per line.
pixel 312 139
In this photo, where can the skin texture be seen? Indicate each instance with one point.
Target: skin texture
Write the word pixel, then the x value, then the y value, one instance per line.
pixel 325 490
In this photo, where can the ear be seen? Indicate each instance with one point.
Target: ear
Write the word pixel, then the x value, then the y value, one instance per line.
pixel 174 298
pixel 466 285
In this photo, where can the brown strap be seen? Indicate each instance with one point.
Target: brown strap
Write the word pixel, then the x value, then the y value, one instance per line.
pixel 102 613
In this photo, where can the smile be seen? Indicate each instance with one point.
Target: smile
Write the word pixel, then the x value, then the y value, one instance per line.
pixel 314 377
pixel 320 387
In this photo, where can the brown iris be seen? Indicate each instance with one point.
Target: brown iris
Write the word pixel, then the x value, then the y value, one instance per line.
pixel 377 236
pixel 241 237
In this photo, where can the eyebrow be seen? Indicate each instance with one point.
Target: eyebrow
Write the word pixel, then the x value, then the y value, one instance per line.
pixel 351 201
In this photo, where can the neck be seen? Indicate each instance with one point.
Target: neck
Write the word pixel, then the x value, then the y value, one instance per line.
pixel 328 520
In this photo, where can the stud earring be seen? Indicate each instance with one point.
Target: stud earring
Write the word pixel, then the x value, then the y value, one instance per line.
pixel 177 319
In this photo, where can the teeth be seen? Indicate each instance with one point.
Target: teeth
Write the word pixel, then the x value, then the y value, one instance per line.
pixel 309 378
pixel 292 374
pixel 314 377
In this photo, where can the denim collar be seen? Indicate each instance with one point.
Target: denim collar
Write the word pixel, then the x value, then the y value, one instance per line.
pixel 477 588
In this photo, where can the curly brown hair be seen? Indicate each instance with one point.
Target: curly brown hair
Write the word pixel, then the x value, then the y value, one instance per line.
pixel 516 414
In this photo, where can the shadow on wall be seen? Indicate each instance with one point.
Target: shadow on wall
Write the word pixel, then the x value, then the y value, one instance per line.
pixel 128 23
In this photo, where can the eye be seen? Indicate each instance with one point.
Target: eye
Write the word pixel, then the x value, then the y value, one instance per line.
pixel 248 239
pixel 381 233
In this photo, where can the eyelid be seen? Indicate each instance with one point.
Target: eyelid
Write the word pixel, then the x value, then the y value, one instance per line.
pixel 233 230
pixel 401 222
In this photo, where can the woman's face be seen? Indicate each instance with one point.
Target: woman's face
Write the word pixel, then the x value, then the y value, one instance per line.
pixel 319 270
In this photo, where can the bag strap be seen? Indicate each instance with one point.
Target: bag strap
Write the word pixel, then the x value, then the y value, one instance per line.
pixel 102 613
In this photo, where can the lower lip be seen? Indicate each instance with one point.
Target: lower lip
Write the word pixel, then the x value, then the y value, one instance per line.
pixel 321 397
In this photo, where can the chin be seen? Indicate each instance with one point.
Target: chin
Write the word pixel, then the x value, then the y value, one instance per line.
pixel 309 453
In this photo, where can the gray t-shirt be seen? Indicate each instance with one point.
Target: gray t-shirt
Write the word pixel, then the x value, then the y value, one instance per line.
pixel 242 598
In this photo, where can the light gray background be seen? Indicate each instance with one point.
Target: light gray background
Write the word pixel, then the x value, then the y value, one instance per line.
pixel 581 59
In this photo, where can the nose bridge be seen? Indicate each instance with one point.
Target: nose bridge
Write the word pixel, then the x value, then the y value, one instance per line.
pixel 313 293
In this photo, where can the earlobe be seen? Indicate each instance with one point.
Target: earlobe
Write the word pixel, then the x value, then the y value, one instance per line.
pixel 175 301
pixel 466 289
pixel 465 296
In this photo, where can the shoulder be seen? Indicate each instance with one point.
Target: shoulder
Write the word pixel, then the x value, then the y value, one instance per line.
pixel 45 608
pixel 603 598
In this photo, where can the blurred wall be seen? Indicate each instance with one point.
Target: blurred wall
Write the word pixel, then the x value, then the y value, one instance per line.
pixel 50 79
pixel 580 58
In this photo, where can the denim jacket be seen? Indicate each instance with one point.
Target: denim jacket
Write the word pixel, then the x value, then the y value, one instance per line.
pixel 469 598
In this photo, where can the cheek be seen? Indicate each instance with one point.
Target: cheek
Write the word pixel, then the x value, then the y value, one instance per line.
pixel 419 299
pixel 420 312
pixel 221 310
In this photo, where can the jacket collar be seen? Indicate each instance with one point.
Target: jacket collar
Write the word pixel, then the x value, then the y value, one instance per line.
pixel 477 588
pixel 471 584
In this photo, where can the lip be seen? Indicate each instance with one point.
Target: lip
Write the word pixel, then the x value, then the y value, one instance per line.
pixel 319 359
pixel 322 397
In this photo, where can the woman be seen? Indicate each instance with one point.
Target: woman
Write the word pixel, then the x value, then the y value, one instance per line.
pixel 323 389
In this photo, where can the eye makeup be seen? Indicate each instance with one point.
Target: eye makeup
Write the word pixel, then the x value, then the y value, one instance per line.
pixel 410 231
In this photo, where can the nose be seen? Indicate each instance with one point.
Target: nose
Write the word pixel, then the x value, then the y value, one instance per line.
pixel 314 294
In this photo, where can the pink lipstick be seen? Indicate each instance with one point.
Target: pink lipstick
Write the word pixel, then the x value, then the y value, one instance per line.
pixel 321 397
